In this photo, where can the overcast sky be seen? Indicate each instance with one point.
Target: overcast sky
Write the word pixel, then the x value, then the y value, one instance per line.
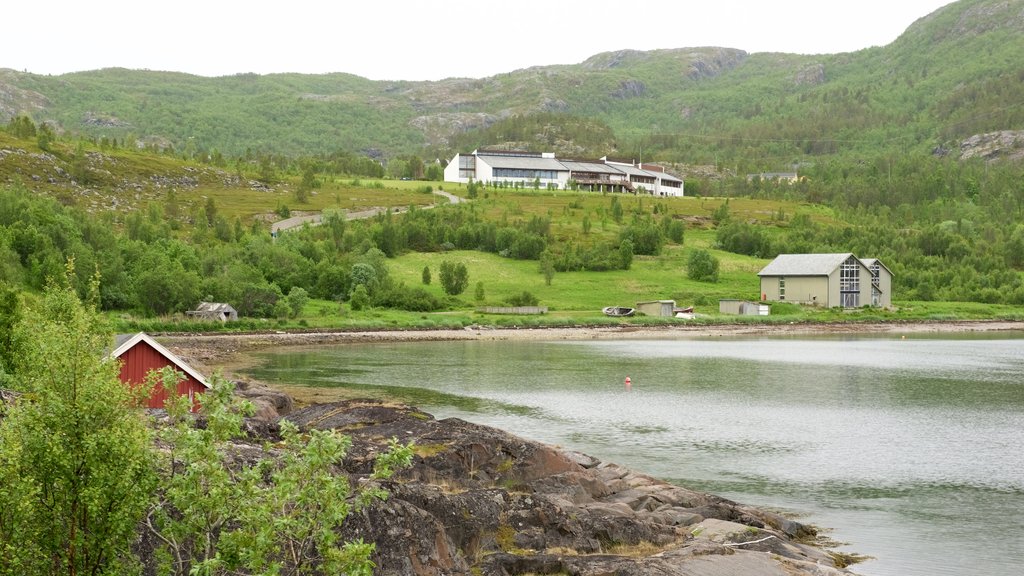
pixel 420 40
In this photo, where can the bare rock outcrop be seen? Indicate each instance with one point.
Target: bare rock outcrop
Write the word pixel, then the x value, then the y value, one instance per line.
pixel 481 501
pixel 1005 144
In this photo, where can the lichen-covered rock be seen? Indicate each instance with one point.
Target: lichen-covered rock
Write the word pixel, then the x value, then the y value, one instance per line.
pixel 481 501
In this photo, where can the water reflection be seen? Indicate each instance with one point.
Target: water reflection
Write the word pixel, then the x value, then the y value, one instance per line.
pixel 909 448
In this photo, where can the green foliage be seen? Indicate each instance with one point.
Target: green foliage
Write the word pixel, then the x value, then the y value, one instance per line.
pixel 426 276
pixel 21 127
pixel 360 298
pixel 744 238
pixel 415 299
pixel 547 266
pixel 542 131
pixel 364 275
pixel 673 229
pixel 702 266
pixel 616 210
pixel 721 214
pixel 626 253
pixel 10 315
pixel 76 472
pixel 645 236
pixel 293 503
pixel 454 277
pixel 297 300
pixel 524 298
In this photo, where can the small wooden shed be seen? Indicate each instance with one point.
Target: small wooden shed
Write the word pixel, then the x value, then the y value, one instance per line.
pixel 665 308
pixel 214 311
pixel 139 354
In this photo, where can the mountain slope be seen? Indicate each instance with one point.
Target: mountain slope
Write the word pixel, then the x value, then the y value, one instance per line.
pixel 952 74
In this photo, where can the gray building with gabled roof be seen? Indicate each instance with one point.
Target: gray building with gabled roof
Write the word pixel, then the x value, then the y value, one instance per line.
pixel 827 280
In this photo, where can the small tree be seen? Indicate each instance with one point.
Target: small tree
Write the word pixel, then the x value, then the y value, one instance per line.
pixel 547 266
pixel 616 210
pixel 426 275
pixel 364 275
pixel 76 472
pixel 721 214
pixel 307 185
pixel 626 254
pixel 297 299
pixel 360 298
pixel 479 296
pixel 702 266
pixel 454 277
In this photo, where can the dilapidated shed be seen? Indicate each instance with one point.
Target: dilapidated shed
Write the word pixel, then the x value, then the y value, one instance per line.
pixel 214 311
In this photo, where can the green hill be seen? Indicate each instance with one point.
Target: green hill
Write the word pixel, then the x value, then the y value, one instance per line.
pixel 951 75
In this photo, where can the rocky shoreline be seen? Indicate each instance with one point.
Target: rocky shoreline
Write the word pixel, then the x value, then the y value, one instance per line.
pixel 481 501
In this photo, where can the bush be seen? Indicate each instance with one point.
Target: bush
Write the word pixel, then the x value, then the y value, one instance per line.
pixel 413 299
pixel 360 298
pixel 524 299
pixel 702 266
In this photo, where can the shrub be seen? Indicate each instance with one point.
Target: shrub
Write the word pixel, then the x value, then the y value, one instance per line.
pixel 524 299
pixel 702 266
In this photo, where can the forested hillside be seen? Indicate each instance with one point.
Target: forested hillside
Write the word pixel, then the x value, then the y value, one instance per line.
pixel 953 74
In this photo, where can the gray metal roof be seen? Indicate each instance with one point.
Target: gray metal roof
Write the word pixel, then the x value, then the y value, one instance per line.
pixel 214 307
pixel 634 171
pixel 804 264
pixel 523 163
pixel 595 167
pixel 869 261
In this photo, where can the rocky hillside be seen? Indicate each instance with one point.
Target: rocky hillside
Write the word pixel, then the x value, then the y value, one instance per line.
pixel 481 501
pixel 949 77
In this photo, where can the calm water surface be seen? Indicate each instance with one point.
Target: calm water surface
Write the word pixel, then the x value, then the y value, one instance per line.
pixel 911 450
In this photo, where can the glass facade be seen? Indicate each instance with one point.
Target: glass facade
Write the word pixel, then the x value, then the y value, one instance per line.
pixel 849 283
pixel 524 173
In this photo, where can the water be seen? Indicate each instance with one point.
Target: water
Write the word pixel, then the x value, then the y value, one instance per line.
pixel 911 450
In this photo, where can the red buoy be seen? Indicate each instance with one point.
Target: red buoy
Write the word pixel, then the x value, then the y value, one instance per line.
pixel 628 383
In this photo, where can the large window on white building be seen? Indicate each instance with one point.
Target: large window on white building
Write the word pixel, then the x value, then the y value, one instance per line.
pixel 467 166
pixel 524 173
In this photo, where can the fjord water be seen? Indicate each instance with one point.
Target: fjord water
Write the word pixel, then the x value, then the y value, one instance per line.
pixel 911 449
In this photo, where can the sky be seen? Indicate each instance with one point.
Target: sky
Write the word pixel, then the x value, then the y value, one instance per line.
pixel 420 40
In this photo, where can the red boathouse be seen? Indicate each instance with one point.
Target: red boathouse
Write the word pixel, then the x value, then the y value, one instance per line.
pixel 139 354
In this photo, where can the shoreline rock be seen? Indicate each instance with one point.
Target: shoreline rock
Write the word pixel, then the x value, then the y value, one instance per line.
pixel 478 500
